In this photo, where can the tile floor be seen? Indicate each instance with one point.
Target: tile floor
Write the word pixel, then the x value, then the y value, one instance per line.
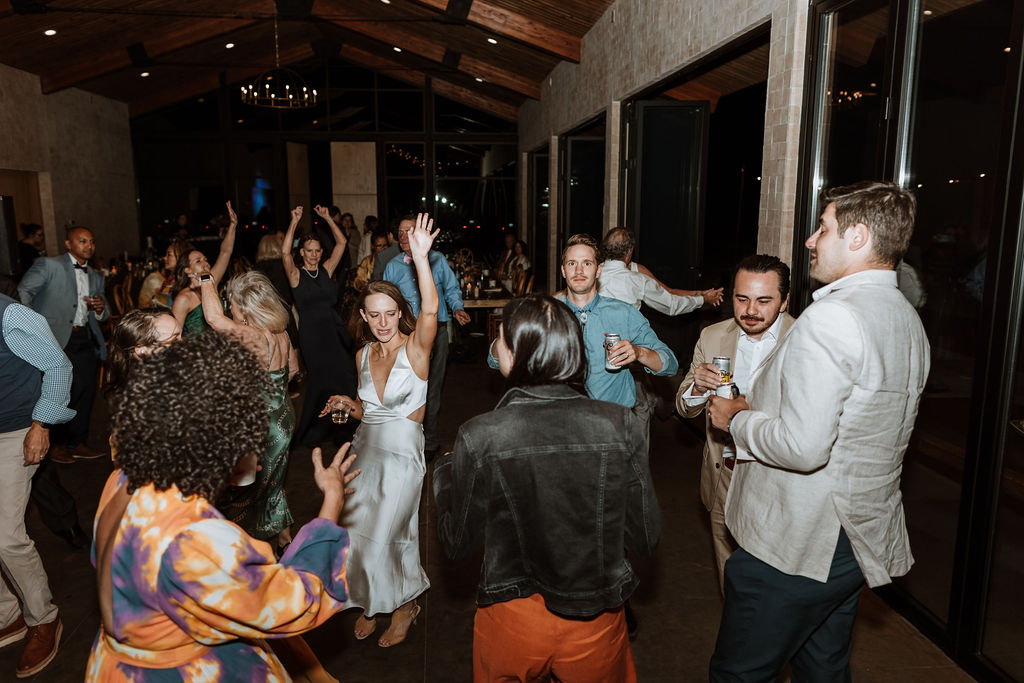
pixel 677 604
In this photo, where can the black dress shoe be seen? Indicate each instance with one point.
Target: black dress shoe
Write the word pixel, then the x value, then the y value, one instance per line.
pixel 75 537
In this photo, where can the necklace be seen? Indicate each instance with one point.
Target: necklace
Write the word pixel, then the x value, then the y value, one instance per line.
pixel 311 274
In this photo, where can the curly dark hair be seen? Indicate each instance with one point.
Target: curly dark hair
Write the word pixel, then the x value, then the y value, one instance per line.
pixel 189 413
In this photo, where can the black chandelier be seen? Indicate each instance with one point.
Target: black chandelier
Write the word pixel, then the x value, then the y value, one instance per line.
pixel 279 88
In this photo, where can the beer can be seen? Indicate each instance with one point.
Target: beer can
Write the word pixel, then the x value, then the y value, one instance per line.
pixel 610 340
pixel 724 365
pixel 727 390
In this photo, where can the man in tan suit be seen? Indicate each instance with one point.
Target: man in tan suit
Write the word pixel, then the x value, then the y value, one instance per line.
pixel 815 502
pixel 759 300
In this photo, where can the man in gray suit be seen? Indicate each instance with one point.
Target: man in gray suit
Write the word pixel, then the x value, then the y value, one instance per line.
pixel 814 502
pixel 69 294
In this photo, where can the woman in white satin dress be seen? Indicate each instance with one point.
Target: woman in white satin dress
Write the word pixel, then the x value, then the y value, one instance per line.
pixel 382 517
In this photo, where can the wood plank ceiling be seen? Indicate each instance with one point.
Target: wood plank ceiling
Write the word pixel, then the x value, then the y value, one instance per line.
pixel 489 54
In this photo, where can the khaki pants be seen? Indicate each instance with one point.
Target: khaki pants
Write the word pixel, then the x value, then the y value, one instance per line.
pixel 18 557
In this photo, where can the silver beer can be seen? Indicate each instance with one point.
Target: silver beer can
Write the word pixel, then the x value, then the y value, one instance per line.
pixel 727 390
pixel 610 340
pixel 724 365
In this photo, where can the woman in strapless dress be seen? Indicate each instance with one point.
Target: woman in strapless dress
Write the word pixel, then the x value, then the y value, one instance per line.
pixel 382 517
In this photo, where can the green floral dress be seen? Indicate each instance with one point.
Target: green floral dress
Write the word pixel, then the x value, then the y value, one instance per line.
pixel 195 322
pixel 262 507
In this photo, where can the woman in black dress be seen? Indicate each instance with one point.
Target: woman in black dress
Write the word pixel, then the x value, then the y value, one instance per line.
pixel 329 364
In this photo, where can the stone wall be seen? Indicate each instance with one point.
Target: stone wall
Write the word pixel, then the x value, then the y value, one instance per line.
pixel 79 146
pixel 637 43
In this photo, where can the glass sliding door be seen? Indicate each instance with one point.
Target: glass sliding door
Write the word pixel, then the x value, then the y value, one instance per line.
pixel 957 113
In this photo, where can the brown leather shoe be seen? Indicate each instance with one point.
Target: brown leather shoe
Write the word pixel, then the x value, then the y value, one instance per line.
pixel 14 632
pixel 60 454
pixel 40 648
pixel 83 452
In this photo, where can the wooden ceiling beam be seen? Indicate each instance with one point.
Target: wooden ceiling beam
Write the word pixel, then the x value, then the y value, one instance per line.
pixel 475 99
pixel 517 27
pixel 479 69
pixel 390 34
pixel 695 91
pixel 88 67
pixel 418 78
pixel 210 80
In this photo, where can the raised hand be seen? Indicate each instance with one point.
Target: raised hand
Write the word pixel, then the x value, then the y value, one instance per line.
pixel 231 214
pixel 323 212
pixel 420 237
pixel 296 215
pixel 334 479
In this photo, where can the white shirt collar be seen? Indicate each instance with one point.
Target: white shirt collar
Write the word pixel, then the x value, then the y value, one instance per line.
pixel 771 333
pixel 74 261
pixel 874 275
pixel 611 265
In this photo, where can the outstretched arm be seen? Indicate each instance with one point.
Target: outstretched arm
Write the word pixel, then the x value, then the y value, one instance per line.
pixel 340 241
pixel 421 238
pixel 226 247
pixel 286 248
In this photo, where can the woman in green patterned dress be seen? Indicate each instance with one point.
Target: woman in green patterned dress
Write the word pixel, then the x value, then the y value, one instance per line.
pixel 259 320
pixel 188 307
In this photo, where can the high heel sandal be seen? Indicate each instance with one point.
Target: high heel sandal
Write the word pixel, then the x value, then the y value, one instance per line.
pixel 386 641
pixel 370 625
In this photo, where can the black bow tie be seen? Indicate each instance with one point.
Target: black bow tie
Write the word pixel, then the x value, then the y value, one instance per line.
pixel 78 267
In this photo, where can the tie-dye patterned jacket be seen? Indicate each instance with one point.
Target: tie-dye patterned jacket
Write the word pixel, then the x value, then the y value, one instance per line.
pixel 194 596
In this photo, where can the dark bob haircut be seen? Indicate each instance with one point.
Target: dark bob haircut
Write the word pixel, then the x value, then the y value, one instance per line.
pixel 546 343
pixel 188 413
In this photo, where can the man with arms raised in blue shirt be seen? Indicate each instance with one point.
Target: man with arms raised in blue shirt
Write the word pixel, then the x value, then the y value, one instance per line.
pixel 29 403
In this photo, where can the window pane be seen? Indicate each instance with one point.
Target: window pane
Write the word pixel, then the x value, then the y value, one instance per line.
pixel 852 116
pixel 957 118
pixel 404 159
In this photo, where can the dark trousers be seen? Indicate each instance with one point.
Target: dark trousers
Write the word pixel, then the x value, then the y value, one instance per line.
pixel 435 382
pixel 771 618
pixel 81 351
pixel 56 506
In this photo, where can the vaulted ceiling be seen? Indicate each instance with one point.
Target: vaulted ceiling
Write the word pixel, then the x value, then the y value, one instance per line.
pixel 490 54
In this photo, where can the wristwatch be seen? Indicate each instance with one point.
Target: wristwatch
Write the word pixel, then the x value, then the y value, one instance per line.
pixel 205 277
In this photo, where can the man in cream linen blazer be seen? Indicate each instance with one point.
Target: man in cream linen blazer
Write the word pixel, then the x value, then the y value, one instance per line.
pixel 816 507
pixel 760 295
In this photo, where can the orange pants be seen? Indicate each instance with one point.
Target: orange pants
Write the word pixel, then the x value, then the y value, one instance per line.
pixel 520 640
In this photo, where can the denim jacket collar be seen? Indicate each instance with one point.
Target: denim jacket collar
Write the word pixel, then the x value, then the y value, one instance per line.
pixel 542 392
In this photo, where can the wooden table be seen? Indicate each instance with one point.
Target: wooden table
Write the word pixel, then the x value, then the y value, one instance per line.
pixel 485 303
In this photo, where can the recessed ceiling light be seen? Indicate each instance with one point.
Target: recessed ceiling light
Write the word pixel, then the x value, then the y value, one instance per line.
pixel 1006 49
pixel 386 2
pixel 314 120
pixel 927 13
pixel 229 45
pixel 144 74
pixel 240 121
pixel 478 79
pixel 201 100
pixel 397 49
pixel 50 32
pixel 492 41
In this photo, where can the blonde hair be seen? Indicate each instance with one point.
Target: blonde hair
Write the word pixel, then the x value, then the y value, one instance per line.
pixel 256 297
pixel 269 247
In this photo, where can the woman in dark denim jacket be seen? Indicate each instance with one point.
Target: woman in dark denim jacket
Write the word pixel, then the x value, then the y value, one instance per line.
pixel 558 486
